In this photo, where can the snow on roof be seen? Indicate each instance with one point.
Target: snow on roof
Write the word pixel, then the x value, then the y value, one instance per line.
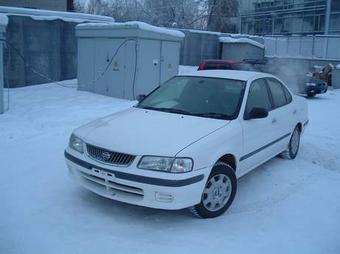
pixel 53 15
pixel 245 36
pixel 202 31
pixel 241 40
pixel 135 24
pixel 3 20
pixel 227 74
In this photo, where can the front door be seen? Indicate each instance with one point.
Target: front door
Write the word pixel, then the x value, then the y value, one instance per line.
pixel 258 134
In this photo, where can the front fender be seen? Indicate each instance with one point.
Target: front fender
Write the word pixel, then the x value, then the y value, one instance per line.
pixel 207 151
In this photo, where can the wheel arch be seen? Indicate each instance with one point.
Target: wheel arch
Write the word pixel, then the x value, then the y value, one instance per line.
pixel 229 159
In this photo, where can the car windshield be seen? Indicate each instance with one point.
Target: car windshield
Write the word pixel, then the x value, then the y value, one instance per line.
pixel 199 96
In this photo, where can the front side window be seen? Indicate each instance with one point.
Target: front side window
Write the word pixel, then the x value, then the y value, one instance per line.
pixel 200 96
pixel 258 96
pixel 278 94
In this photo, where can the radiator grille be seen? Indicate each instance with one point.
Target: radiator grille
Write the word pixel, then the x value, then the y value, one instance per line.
pixel 109 157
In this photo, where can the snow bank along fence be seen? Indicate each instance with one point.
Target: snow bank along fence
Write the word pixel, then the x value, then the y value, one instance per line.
pixel 199 45
pixel 307 47
pixel 3 24
pixel 41 45
pixel 125 60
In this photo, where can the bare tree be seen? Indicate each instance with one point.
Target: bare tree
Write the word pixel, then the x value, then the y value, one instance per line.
pixel 211 15
pixel 220 14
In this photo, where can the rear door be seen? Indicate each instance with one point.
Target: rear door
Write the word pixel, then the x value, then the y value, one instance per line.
pixel 258 134
pixel 282 113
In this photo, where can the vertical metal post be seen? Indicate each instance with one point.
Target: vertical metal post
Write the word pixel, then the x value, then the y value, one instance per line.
pixel 2 103
pixel 2 99
pixel 328 16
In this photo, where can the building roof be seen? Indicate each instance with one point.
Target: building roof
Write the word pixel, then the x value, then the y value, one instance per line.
pixel 133 25
pixel 52 15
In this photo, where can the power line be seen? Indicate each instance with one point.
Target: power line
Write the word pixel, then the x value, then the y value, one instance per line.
pixel 32 69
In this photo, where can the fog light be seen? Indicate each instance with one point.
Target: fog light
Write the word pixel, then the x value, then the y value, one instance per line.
pixel 164 197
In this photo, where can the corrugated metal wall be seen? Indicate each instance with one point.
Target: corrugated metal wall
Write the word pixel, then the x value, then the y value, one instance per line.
pixel 48 46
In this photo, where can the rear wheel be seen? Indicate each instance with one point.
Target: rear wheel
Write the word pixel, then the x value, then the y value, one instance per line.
pixel 219 192
pixel 293 146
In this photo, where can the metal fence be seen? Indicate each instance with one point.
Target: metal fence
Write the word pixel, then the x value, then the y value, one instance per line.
pixel 306 47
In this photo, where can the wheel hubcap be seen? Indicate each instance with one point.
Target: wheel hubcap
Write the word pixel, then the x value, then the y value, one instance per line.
pixel 217 192
pixel 294 145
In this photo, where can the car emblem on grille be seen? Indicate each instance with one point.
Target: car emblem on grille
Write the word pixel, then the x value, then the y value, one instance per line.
pixel 106 155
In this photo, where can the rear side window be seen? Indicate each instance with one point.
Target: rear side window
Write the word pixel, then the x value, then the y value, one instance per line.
pixel 288 95
pixel 278 93
pixel 258 96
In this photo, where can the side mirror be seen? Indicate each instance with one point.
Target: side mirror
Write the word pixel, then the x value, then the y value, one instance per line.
pixel 257 113
pixel 140 97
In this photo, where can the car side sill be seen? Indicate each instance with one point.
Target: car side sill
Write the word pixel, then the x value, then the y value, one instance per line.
pixel 244 157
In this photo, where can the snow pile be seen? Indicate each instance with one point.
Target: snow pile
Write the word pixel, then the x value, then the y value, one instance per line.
pixel 241 40
pixel 132 25
pixel 3 20
pixel 53 15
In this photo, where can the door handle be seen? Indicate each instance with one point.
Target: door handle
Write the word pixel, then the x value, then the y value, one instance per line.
pixel 294 112
pixel 274 120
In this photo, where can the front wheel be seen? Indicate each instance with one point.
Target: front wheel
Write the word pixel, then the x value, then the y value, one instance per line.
pixel 219 192
pixel 293 146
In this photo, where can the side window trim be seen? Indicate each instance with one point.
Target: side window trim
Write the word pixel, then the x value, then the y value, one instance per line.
pixel 268 93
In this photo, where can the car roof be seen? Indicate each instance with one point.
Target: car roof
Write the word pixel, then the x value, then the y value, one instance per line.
pixel 228 74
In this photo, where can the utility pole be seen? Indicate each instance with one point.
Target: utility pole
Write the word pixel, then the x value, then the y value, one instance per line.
pixel 328 16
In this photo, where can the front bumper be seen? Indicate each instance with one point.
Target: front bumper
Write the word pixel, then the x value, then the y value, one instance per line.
pixel 150 189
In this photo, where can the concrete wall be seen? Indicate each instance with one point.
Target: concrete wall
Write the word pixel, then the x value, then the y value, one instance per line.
pixel 199 45
pixel 241 51
pixel 56 5
pixel 48 46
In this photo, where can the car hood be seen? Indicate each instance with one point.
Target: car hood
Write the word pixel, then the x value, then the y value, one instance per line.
pixel 147 132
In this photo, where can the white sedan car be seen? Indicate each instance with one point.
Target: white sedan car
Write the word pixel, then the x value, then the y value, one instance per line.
pixel 188 141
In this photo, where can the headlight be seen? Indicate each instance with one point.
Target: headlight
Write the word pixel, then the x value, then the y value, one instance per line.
pixel 310 84
pixel 166 164
pixel 76 143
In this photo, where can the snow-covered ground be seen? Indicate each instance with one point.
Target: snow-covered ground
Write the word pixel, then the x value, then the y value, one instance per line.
pixel 281 207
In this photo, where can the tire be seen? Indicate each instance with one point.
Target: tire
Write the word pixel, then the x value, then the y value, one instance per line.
pixel 311 95
pixel 221 196
pixel 293 146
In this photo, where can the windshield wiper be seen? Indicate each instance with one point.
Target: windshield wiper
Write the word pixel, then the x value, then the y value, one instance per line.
pixel 184 112
pixel 169 110
pixel 213 115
